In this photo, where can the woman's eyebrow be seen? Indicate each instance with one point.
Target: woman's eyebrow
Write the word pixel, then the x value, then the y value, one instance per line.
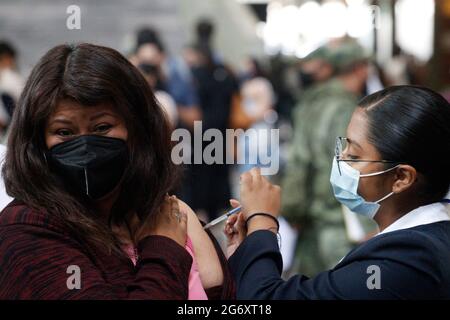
pixel 101 114
pixel 60 120
pixel 351 141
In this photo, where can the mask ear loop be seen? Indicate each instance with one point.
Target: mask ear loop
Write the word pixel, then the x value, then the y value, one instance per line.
pixel 385 197
pixel 45 158
pixel 86 182
pixel 377 173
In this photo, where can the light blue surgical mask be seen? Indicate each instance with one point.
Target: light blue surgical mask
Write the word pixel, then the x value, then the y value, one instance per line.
pixel 345 187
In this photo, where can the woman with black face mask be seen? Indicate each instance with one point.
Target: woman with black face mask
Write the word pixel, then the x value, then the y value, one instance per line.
pixel 392 166
pixel 89 165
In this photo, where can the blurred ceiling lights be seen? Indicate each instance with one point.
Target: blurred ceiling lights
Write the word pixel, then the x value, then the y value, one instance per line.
pixel 299 29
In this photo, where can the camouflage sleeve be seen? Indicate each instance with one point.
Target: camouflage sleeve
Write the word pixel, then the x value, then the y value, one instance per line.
pixel 333 123
pixel 306 180
pixel 294 199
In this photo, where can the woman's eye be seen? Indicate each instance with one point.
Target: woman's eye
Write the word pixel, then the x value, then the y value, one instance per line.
pixel 64 132
pixel 347 156
pixel 103 127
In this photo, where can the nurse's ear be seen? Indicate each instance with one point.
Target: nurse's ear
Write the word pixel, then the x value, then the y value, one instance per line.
pixel 405 176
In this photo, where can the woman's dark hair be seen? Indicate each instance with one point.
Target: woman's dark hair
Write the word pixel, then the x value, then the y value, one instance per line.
pixel 89 75
pixel 411 125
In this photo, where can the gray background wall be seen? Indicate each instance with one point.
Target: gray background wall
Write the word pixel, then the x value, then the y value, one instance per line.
pixel 34 26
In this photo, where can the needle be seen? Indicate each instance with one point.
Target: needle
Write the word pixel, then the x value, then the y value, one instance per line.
pixel 222 217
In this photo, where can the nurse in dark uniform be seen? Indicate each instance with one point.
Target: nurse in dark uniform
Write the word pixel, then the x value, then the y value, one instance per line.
pixel 392 166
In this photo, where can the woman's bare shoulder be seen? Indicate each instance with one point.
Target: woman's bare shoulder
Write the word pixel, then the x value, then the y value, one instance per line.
pixel 210 269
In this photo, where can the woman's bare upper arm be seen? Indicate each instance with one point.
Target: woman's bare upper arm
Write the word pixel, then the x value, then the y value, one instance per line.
pixel 210 269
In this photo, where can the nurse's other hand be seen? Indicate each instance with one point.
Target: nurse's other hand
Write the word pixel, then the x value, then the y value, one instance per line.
pixel 234 230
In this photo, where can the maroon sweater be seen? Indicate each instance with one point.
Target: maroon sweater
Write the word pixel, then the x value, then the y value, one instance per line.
pixel 36 250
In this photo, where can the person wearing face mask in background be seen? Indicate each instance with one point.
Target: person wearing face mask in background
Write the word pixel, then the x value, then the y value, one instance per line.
pixel 177 77
pixel 154 79
pixel 326 231
pixel 257 101
pixel 216 88
pixel 315 68
pixel 392 167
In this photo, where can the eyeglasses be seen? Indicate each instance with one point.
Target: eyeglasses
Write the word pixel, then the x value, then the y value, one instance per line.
pixel 341 145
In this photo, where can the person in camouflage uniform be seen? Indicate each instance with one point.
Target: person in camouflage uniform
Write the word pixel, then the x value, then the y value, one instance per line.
pixel 308 201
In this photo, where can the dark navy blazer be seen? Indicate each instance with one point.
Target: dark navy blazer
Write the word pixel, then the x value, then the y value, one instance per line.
pixel 411 263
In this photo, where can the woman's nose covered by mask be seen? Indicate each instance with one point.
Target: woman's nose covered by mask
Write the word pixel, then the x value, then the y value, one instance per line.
pixel 345 188
pixel 89 165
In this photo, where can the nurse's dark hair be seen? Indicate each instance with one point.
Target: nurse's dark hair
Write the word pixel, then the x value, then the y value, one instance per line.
pixel 411 125
pixel 89 75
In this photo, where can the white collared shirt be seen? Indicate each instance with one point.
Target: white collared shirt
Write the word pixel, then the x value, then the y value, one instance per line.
pixel 431 213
